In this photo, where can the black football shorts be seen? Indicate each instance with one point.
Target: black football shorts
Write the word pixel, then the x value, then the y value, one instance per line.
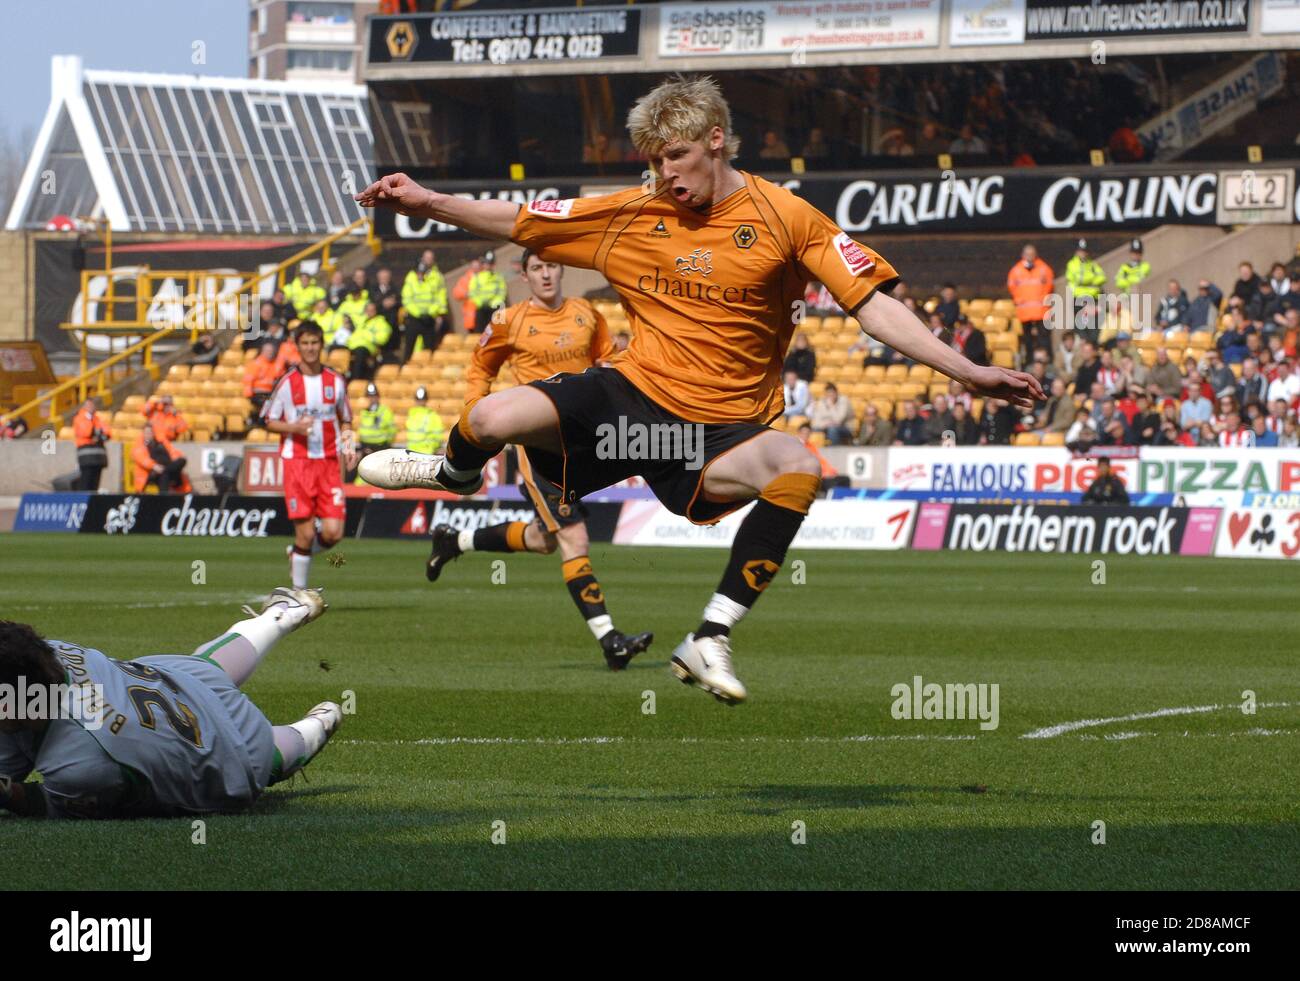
pixel 611 431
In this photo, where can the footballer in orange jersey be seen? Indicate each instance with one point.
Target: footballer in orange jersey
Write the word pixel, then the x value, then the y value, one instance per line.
pixel 709 263
pixel 545 334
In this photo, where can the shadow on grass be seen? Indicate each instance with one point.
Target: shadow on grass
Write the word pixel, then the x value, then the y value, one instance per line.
pixel 355 849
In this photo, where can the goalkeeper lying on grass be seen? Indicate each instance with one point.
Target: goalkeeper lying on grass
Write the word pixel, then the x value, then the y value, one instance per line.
pixel 163 735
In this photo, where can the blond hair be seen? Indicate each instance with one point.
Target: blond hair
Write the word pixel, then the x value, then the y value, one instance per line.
pixel 681 109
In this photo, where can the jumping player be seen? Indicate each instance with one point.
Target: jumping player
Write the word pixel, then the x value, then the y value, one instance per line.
pixel 709 264
pixel 309 408
pixel 164 735
pixel 543 335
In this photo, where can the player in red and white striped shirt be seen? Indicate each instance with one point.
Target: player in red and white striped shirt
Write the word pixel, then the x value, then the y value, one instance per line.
pixel 309 409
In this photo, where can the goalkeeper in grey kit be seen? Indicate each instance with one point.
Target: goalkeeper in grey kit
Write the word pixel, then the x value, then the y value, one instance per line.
pixel 158 736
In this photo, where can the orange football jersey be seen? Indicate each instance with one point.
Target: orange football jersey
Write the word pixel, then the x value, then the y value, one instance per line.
pixel 539 342
pixel 710 295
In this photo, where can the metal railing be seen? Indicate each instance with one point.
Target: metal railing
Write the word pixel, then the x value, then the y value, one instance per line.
pixel 200 310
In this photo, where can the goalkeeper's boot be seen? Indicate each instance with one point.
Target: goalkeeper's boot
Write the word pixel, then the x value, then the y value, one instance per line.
pixel 330 716
pixel 620 648
pixel 446 548
pixel 293 607
pixel 401 469
pixel 706 663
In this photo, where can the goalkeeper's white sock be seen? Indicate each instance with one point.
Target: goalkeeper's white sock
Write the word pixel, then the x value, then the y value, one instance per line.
pixel 240 649
pixel 466 540
pixel 300 568
pixel 724 610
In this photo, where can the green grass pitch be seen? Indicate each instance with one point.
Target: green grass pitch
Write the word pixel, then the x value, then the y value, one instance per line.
pixel 479 703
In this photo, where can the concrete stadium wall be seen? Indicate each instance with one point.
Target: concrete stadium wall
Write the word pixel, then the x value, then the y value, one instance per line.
pixel 26 467
pixel 15 324
pixel 1217 259
pixel 1166 247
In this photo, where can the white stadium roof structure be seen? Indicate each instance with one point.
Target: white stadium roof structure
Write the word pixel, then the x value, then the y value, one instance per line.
pixel 194 154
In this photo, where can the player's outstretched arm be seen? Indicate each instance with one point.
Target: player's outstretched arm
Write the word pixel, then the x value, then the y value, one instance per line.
pixel 888 321
pixel 486 219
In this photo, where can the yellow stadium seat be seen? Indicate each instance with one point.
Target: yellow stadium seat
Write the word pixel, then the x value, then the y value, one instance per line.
pixel 832 324
pixel 995 324
pixel 937 390
pixel 66 433
pixel 421 357
pixel 832 357
pixel 978 308
pixel 1004 308
pixel 1053 439
pixel 1148 355
pixel 178 372
pixel 1004 359
pixel 1027 439
pixel 851 324
pixel 200 372
pixel 1004 341
pixel 850 372
pixel 930 305
pixel 919 373
pixel 874 373
pixel 387 372
pixel 810 325
pixel 233 424
pixel 1176 338
pixel 896 373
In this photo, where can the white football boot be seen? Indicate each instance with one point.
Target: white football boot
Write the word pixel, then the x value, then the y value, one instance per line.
pixel 293 607
pixel 400 469
pixel 706 663
pixel 330 716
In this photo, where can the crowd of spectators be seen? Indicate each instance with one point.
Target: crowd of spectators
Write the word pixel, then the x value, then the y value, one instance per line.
pixel 1220 370
pixel 1021 113
pixel 367 315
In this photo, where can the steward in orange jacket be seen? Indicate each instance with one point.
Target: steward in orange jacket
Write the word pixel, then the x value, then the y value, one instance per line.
pixel 468 309
pixel 90 431
pixel 1030 283
pixel 260 375
pixel 156 460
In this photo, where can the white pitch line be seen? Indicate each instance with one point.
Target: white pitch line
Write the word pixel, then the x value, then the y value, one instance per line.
pixel 1051 732
pixel 690 740
pixel 604 740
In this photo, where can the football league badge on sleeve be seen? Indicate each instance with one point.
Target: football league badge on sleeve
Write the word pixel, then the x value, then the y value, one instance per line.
pixel 854 256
